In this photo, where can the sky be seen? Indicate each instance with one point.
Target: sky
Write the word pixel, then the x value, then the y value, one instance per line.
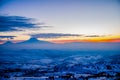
pixel 62 20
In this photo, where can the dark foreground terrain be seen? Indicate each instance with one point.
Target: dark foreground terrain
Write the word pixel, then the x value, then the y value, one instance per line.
pixel 58 65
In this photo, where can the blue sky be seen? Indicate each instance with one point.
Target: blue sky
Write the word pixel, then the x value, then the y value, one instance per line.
pixel 89 17
pixel 69 16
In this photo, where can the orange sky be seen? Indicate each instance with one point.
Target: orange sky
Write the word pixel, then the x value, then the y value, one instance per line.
pixel 68 41
pixel 97 17
pixel 108 38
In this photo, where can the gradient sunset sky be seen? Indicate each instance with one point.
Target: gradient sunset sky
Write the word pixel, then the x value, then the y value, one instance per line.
pixel 64 20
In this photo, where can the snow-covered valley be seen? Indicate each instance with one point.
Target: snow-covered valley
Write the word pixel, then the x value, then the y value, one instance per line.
pixel 55 64
pixel 40 60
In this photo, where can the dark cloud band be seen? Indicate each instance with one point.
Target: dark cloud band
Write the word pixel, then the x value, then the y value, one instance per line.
pixel 58 35
pixel 94 35
pixel 7 36
pixel 52 35
pixel 17 23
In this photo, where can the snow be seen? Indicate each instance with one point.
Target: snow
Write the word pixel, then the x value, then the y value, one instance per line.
pixel 21 63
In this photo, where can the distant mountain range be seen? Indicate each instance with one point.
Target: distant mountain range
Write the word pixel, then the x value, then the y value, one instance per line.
pixel 36 58
pixel 7 43
pixel 34 43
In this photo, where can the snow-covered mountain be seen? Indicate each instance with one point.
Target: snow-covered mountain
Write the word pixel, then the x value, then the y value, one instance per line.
pixel 8 43
pixel 36 58
pixel 34 41
pixel 78 67
pixel 89 64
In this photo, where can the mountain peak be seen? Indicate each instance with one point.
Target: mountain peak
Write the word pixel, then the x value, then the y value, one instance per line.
pixel 33 40
pixel 8 42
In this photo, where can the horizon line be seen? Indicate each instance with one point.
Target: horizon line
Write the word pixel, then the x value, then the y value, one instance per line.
pixel 67 41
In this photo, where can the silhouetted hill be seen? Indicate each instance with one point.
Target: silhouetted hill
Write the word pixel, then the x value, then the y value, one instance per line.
pixel 34 41
pixel 7 43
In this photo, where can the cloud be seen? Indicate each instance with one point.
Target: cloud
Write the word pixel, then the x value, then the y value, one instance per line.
pixel 10 37
pixel 17 23
pixel 94 36
pixel 52 35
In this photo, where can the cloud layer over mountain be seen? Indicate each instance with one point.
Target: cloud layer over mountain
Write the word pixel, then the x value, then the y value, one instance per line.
pixel 52 35
pixel 17 23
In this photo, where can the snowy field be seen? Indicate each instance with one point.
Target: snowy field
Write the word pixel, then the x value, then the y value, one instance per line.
pixel 37 64
pixel 40 60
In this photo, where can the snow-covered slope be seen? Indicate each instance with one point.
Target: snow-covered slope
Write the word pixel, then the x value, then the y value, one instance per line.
pixel 35 58
pixel 79 67
pixel 34 41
